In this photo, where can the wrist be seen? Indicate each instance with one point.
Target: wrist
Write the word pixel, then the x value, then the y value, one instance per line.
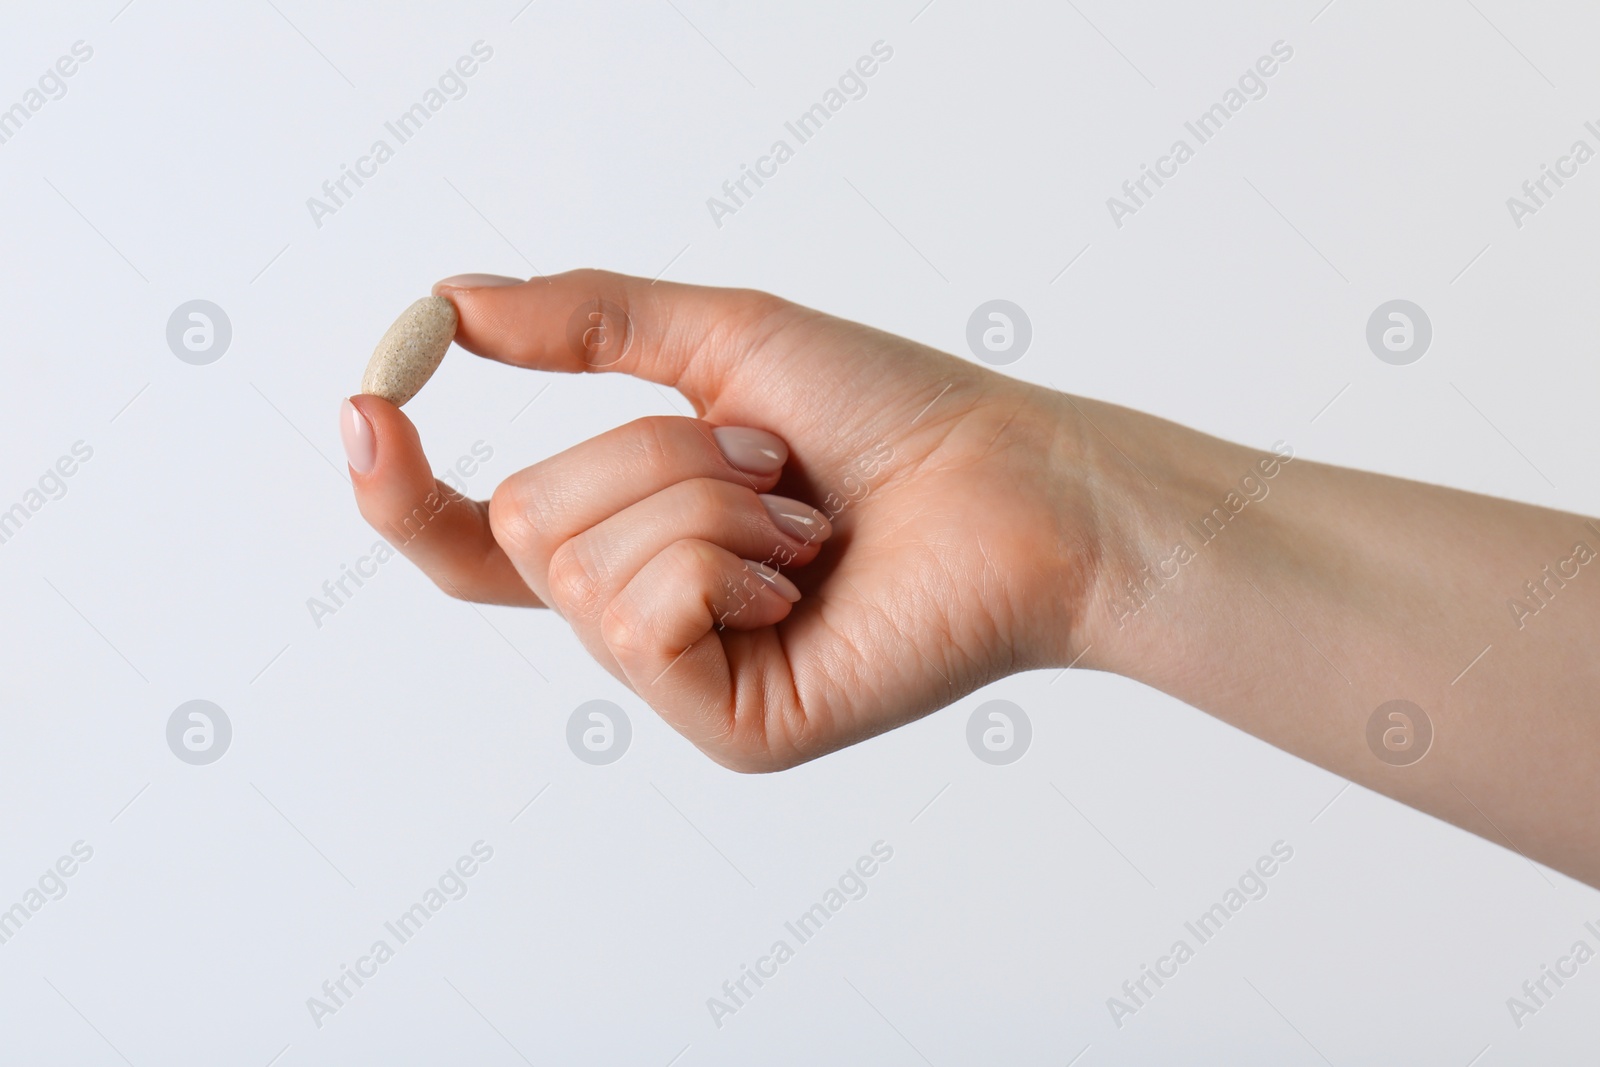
pixel 1095 509
pixel 1151 498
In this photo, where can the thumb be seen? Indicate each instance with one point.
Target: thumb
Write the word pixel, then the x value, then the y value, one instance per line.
pixel 684 336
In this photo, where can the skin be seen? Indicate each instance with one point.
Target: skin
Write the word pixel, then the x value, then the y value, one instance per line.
pixel 971 526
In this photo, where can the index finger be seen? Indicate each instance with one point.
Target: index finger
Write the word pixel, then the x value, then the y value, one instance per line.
pixel 425 520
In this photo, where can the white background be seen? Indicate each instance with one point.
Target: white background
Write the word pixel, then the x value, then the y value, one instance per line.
pixel 368 754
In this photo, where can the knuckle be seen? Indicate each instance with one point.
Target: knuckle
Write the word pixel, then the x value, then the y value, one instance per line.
pixel 625 629
pixel 508 519
pixel 685 568
pixel 656 443
pixel 599 282
pixel 753 318
pixel 691 565
pixel 573 583
pixel 713 496
pixel 515 515
pixel 758 304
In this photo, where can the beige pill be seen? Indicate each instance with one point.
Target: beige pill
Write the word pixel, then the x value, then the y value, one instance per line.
pixel 411 350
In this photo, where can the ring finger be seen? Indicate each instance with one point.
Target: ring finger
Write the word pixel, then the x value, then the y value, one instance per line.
pixel 589 570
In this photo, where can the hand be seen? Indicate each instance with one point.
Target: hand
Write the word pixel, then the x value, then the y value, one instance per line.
pixel 943 526
pixel 915 501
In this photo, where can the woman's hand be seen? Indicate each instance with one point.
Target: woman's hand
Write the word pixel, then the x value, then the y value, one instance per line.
pixel 943 526
pixel 918 536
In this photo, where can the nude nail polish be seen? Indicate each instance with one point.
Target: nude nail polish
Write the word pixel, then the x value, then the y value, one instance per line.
pixel 780 585
pixel 800 520
pixel 476 281
pixel 751 450
pixel 360 443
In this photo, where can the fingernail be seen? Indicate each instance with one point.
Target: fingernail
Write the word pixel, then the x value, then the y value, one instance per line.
pixel 801 520
pixel 475 281
pixel 781 585
pixel 360 443
pixel 752 450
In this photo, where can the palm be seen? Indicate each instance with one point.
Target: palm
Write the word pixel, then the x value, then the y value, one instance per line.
pixel 920 595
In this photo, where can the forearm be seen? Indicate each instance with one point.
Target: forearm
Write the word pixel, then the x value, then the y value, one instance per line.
pixel 1293 599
